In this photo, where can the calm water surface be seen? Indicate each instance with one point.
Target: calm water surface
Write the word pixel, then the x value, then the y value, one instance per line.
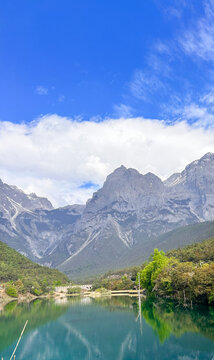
pixel 106 329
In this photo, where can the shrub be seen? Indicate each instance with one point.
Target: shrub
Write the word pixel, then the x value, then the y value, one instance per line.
pixel 36 289
pixel 11 291
pixel 36 292
pixel 57 283
pixel 74 290
pixel 101 290
pixel 44 286
pixel 20 286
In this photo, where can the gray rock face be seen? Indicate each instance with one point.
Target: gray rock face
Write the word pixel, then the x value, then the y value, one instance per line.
pixel 132 208
pixel 195 185
pixel 44 230
pixel 13 203
pixel 122 219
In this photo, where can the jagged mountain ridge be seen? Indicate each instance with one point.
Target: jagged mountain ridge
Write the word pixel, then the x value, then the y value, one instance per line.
pixel 128 213
pixel 132 208
pixel 13 203
pixel 196 180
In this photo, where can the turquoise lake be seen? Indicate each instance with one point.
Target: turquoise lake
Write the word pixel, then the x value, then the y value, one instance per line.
pixel 107 329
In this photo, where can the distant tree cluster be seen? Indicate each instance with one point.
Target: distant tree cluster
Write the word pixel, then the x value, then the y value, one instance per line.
pixel 74 290
pixel 186 275
pixel 123 279
pixel 121 283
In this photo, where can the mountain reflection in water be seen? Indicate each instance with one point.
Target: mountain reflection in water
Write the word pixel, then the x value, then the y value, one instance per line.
pixel 107 329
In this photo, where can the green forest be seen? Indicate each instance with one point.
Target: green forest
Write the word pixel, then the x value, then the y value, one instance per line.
pixel 185 275
pixel 22 275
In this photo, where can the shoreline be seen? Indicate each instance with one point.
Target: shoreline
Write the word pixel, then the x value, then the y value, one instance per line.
pixel 58 297
pixel 5 299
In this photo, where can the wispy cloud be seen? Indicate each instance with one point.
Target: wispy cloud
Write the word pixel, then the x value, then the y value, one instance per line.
pixel 165 70
pixel 198 113
pixel 123 110
pixel 175 9
pixel 156 74
pixel 208 99
pixel 41 90
pixel 144 84
pixel 198 40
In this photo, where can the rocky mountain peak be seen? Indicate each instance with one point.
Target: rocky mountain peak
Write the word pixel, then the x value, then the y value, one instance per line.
pixel 194 173
pixel 40 202
pixel 129 209
pixel 200 169
pixel 120 170
pixel 14 201
pixel 125 188
pixel 153 179
pixel 120 178
pixel 205 161
pixel 118 185
pixel 208 156
pixel 120 173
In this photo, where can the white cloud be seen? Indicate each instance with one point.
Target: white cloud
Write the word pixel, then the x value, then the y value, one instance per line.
pixel 54 156
pixel 123 110
pixel 201 115
pixel 41 90
pixel 199 39
pixel 161 70
pixel 144 84
pixel 208 98
pixel 175 9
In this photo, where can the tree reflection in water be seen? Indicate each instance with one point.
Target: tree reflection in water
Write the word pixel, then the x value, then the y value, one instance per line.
pixel 107 328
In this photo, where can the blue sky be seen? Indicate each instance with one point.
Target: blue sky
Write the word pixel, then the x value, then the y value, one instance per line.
pixel 85 59
pixel 88 85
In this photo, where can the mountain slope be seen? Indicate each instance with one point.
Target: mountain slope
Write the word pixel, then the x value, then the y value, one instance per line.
pixel 121 223
pixel 196 253
pixel 196 182
pixel 14 266
pixel 177 238
pixel 86 266
pixel 13 203
pixel 132 210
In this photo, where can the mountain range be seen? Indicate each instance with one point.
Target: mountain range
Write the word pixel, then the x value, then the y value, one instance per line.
pixel 119 226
